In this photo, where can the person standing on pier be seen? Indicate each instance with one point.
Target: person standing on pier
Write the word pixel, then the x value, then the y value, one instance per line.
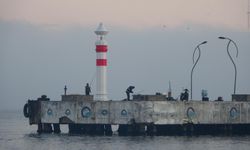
pixel 65 90
pixel 87 89
pixel 128 91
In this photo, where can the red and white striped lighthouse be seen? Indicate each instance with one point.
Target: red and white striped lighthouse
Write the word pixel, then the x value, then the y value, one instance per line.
pixel 101 63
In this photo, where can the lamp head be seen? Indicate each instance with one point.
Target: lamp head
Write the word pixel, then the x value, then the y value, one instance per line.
pixel 204 42
pixel 101 30
pixel 221 37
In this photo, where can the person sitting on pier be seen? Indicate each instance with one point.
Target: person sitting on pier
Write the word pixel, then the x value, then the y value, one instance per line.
pixel 185 95
pixel 128 91
pixel 87 89
pixel 219 99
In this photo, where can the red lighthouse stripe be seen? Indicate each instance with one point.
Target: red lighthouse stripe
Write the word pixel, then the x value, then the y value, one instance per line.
pixel 101 62
pixel 101 48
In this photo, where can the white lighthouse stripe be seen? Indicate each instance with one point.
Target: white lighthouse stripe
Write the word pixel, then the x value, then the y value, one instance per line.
pixel 101 42
pixel 101 83
pixel 101 55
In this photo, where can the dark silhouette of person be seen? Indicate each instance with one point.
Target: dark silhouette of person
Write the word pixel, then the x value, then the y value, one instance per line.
pixel 65 90
pixel 204 95
pixel 128 91
pixel 219 99
pixel 185 95
pixel 87 89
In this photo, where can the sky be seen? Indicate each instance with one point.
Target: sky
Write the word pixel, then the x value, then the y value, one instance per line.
pixel 128 13
pixel 47 44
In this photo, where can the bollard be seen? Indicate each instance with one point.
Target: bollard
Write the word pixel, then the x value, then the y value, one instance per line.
pixel 56 127
pixel 44 128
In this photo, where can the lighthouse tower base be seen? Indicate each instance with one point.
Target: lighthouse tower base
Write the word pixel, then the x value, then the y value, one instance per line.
pixel 101 97
pixel 101 83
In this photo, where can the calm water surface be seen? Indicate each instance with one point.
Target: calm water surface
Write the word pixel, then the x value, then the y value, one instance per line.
pixel 16 134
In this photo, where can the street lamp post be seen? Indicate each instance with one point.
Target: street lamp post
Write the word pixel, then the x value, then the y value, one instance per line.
pixel 237 51
pixel 195 63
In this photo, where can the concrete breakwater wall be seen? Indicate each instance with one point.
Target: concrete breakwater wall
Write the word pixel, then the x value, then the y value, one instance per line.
pixel 141 117
pixel 142 112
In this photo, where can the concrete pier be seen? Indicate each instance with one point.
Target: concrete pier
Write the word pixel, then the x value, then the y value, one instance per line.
pixel 44 128
pixel 140 117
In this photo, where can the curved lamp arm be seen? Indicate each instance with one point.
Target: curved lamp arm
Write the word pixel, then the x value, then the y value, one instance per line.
pixel 195 63
pixel 237 52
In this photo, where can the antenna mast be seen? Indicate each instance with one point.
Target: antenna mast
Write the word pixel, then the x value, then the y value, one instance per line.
pixel 169 91
pixel 169 87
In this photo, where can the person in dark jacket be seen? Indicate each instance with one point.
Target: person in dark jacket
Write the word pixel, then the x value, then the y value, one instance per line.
pixel 65 90
pixel 128 91
pixel 185 95
pixel 87 89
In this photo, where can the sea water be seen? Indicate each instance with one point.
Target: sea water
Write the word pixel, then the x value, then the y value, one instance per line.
pixel 17 134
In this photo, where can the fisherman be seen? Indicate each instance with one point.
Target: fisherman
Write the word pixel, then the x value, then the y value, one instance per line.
pixel 87 89
pixel 65 90
pixel 219 99
pixel 128 91
pixel 204 95
pixel 185 95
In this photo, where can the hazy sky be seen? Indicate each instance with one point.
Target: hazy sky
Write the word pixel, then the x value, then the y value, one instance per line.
pixel 128 13
pixel 46 44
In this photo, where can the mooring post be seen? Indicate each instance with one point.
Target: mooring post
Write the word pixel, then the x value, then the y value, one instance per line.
pixel 99 129
pixel 123 129
pixel 151 129
pixel 44 128
pixel 108 130
pixel 56 127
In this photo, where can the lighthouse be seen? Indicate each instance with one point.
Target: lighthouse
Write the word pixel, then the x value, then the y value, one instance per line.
pixel 101 63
